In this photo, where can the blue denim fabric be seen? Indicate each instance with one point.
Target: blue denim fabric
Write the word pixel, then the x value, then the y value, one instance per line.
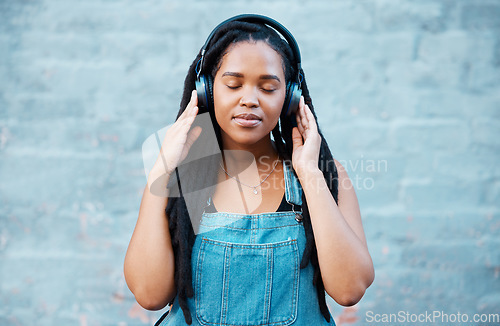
pixel 246 272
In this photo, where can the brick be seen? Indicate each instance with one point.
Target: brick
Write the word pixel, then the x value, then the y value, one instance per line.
pixel 370 133
pixel 61 135
pixel 456 103
pixel 417 163
pixel 480 280
pixel 409 15
pixel 95 288
pixel 492 192
pixel 456 47
pixel 474 169
pixel 394 229
pixel 36 107
pixel 480 16
pixel 420 75
pixel 459 256
pixel 374 194
pixel 430 193
pixel 489 304
pixel 427 134
pixel 485 132
pixel 339 16
pixel 18 180
pixel 3 108
pixel 362 75
pixel 14 15
pixel 384 104
pixel 414 286
pixel 482 76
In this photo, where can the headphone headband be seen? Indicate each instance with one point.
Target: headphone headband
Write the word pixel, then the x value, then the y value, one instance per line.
pixel 204 82
pixel 252 18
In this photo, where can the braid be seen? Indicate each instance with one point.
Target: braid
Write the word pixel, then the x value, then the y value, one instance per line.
pixel 327 165
pixel 181 229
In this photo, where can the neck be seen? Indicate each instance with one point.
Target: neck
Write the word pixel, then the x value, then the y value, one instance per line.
pixel 240 156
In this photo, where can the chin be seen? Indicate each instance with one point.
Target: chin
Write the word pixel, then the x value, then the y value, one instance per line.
pixel 250 138
pixel 246 140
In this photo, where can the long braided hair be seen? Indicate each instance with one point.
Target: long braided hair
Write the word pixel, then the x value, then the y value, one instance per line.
pixel 180 224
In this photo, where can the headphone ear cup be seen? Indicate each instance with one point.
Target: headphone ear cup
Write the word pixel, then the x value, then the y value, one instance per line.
pixel 286 103
pixel 201 86
pixel 210 91
pixel 292 99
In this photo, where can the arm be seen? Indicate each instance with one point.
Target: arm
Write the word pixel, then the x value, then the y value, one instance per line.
pixel 345 263
pixel 149 262
pixel 344 260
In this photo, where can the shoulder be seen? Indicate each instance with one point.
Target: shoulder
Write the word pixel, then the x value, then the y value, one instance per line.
pixel 348 201
pixel 345 186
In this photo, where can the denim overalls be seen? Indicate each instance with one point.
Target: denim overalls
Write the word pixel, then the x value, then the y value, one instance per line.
pixel 246 269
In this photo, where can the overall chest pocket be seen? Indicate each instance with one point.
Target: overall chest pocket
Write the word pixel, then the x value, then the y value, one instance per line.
pixel 247 284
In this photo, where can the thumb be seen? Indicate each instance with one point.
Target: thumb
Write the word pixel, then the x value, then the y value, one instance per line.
pixel 296 138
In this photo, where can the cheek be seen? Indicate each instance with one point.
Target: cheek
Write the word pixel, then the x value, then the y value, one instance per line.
pixel 224 102
pixel 278 105
pixel 219 116
pixel 222 98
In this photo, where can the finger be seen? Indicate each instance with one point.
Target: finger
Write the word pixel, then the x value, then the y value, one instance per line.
pixel 193 101
pixel 310 118
pixel 304 113
pixel 189 119
pixel 194 111
pixel 301 108
pixel 300 125
pixel 304 124
pixel 182 126
pixel 296 138
pixel 189 115
pixel 195 97
pixel 189 107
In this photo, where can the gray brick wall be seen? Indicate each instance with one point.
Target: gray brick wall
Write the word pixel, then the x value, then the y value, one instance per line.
pixel 407 94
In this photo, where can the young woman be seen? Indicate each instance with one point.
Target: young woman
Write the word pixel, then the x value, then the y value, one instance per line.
pixel 281 225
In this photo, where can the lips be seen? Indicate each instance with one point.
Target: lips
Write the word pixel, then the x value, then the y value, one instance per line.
pixel 247 119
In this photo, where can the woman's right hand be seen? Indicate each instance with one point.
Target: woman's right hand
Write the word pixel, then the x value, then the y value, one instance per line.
pixel 177 142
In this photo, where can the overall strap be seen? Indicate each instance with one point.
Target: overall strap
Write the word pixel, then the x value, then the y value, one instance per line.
pixel 293 189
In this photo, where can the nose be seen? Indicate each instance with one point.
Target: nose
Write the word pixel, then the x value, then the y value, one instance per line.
pixel 249 98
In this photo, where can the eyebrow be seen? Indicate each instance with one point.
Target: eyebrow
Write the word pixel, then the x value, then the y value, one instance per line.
pixel 239 75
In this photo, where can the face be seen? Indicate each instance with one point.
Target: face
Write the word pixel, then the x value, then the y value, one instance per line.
pixel 249 91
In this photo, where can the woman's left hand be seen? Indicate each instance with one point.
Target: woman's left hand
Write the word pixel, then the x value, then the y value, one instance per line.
pixel 306 141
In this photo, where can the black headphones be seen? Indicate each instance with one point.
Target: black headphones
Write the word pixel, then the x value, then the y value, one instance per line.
pixel 204 82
